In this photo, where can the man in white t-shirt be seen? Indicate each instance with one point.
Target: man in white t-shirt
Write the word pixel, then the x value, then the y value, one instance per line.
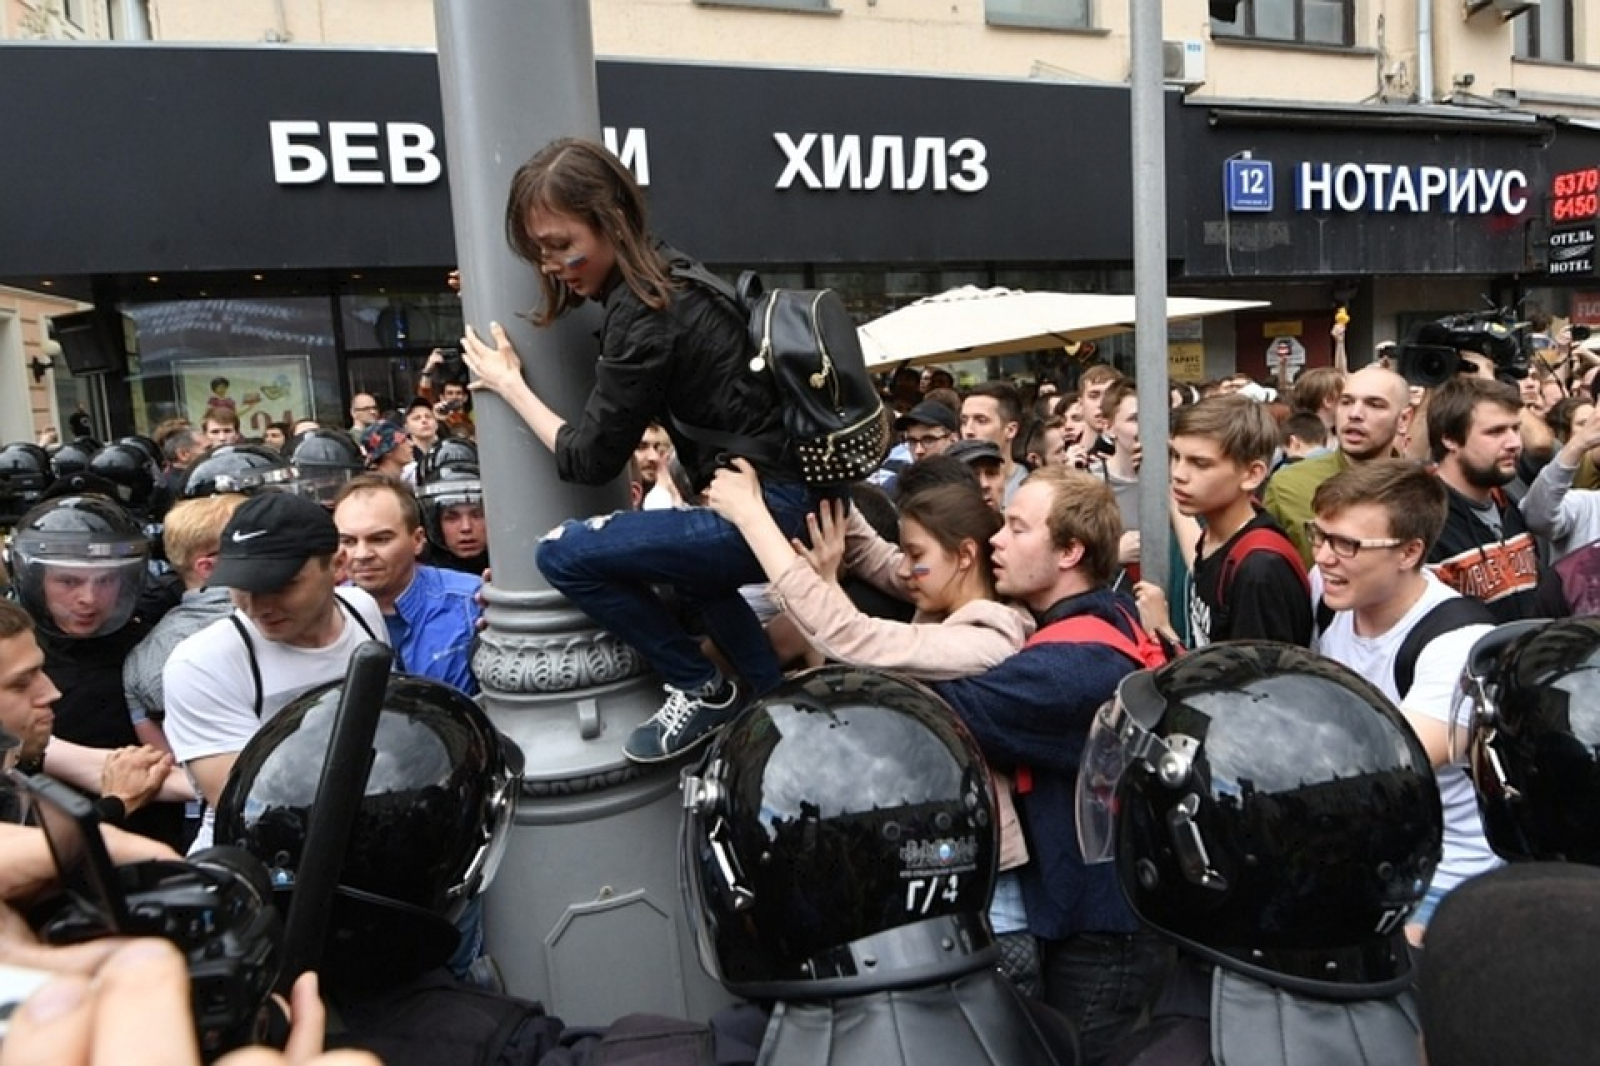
pixel 291 629
pixel 1373 528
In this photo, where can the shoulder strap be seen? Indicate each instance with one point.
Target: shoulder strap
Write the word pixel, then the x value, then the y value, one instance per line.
pixel 1324 615
pixel 1087 629
pixel 250 652
pixel 1261 538
pixel 350 609
pixel 1446 617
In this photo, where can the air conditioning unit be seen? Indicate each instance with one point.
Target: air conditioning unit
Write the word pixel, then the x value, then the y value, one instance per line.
pixel 1183 63
pixel 1507 9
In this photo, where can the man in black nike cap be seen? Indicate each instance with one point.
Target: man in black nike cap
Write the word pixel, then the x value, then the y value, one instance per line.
pixel 292 628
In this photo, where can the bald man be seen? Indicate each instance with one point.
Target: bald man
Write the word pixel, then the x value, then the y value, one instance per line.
pixel 1373 414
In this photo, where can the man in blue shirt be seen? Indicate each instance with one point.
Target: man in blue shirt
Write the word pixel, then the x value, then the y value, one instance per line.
pixel 432 614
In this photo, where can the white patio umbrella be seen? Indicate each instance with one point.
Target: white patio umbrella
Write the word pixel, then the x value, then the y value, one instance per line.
pixel 974 323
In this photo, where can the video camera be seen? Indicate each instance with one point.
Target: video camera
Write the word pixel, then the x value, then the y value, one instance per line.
pixel 216 908
pixel 1431 356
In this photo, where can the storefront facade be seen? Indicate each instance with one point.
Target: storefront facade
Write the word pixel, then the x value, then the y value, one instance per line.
pixel 1400 216
pixel 280 218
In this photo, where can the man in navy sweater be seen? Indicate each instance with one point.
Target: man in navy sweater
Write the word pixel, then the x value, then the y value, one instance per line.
pixel 1031 716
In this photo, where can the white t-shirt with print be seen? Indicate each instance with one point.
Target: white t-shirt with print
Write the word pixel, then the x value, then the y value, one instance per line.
pixel 1435 693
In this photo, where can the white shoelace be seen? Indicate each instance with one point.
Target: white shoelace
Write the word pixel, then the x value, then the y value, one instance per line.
pixel 675 713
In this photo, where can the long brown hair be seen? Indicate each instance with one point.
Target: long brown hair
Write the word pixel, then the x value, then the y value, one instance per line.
pixel 581 180
pixel 952 514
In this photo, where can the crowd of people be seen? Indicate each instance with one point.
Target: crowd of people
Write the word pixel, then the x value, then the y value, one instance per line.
pixel 1347 545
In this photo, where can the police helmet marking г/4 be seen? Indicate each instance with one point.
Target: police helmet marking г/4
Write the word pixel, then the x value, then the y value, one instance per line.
pixel 840 838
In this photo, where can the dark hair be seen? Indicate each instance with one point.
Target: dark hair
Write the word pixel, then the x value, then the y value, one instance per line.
pixel 219 381
pixel 222 416
pixel 1037 436
pixel 1005 396
pixel 877 508
pixel 1306 427
pixel 931 471
pixel 1451 405
pixel 581 180
pixel 1559 417
pixel 952 514
pixel 1414 500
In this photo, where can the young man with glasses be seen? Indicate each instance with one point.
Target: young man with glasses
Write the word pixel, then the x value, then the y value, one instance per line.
pixel 1382 613
pixel 929 428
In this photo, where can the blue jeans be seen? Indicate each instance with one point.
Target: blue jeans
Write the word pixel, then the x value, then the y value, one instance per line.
pixel 607 565
pixel 1103 982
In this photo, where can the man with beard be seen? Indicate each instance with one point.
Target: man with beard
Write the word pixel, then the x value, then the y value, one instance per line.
pixel 1374 411
pixel 1485 551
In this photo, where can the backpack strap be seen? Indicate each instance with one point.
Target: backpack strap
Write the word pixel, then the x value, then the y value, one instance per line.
pixel 250 653
pixel 350 609
pixel 695 273
pixel 1261 538
pixel 1445 617
pixel 1143 649
pixel 1324 615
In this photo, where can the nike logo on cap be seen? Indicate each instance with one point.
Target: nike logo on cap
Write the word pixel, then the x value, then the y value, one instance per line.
pixel 240 536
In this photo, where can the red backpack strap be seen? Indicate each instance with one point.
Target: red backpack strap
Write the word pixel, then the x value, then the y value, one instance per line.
pixel 1143 649
pixel 1261 538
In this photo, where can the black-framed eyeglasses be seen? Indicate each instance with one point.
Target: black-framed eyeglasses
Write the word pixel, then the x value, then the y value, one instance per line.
pixel 926 441
pixel 1346 547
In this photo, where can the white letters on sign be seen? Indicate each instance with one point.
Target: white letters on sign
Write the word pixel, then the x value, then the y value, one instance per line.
pixel 354 153
pixel 844 161
pixel 1386 187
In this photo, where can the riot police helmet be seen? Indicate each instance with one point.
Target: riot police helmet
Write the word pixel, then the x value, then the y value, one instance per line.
pixel 25 476
pixel 74 456
pixel 147 445
pixel 323 460
pixel 242 468
pixel 1270 811
pixel 1533 743
pixel 448 477
pixel 839 838
pixel 78 564
pixel 133 475
pixel 428 833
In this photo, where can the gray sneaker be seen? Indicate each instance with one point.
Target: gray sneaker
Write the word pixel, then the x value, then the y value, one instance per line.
pixel 682 724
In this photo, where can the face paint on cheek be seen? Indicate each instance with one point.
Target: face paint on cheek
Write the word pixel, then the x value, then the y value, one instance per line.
pixel 576 261
pixel 921 571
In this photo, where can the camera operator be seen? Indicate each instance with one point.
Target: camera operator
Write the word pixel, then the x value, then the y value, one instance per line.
pixel 443 383
pixel 123 1001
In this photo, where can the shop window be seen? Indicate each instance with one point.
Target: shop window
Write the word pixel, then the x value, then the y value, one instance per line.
pixel 271 360
pixel 1545 32
pixel 1046 14
pixel 1324 22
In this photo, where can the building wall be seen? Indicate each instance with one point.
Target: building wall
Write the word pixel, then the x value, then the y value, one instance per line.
pixel 27 406
pixel 926 37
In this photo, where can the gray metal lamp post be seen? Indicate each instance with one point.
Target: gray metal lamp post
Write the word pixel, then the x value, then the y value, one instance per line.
pixel 586 914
